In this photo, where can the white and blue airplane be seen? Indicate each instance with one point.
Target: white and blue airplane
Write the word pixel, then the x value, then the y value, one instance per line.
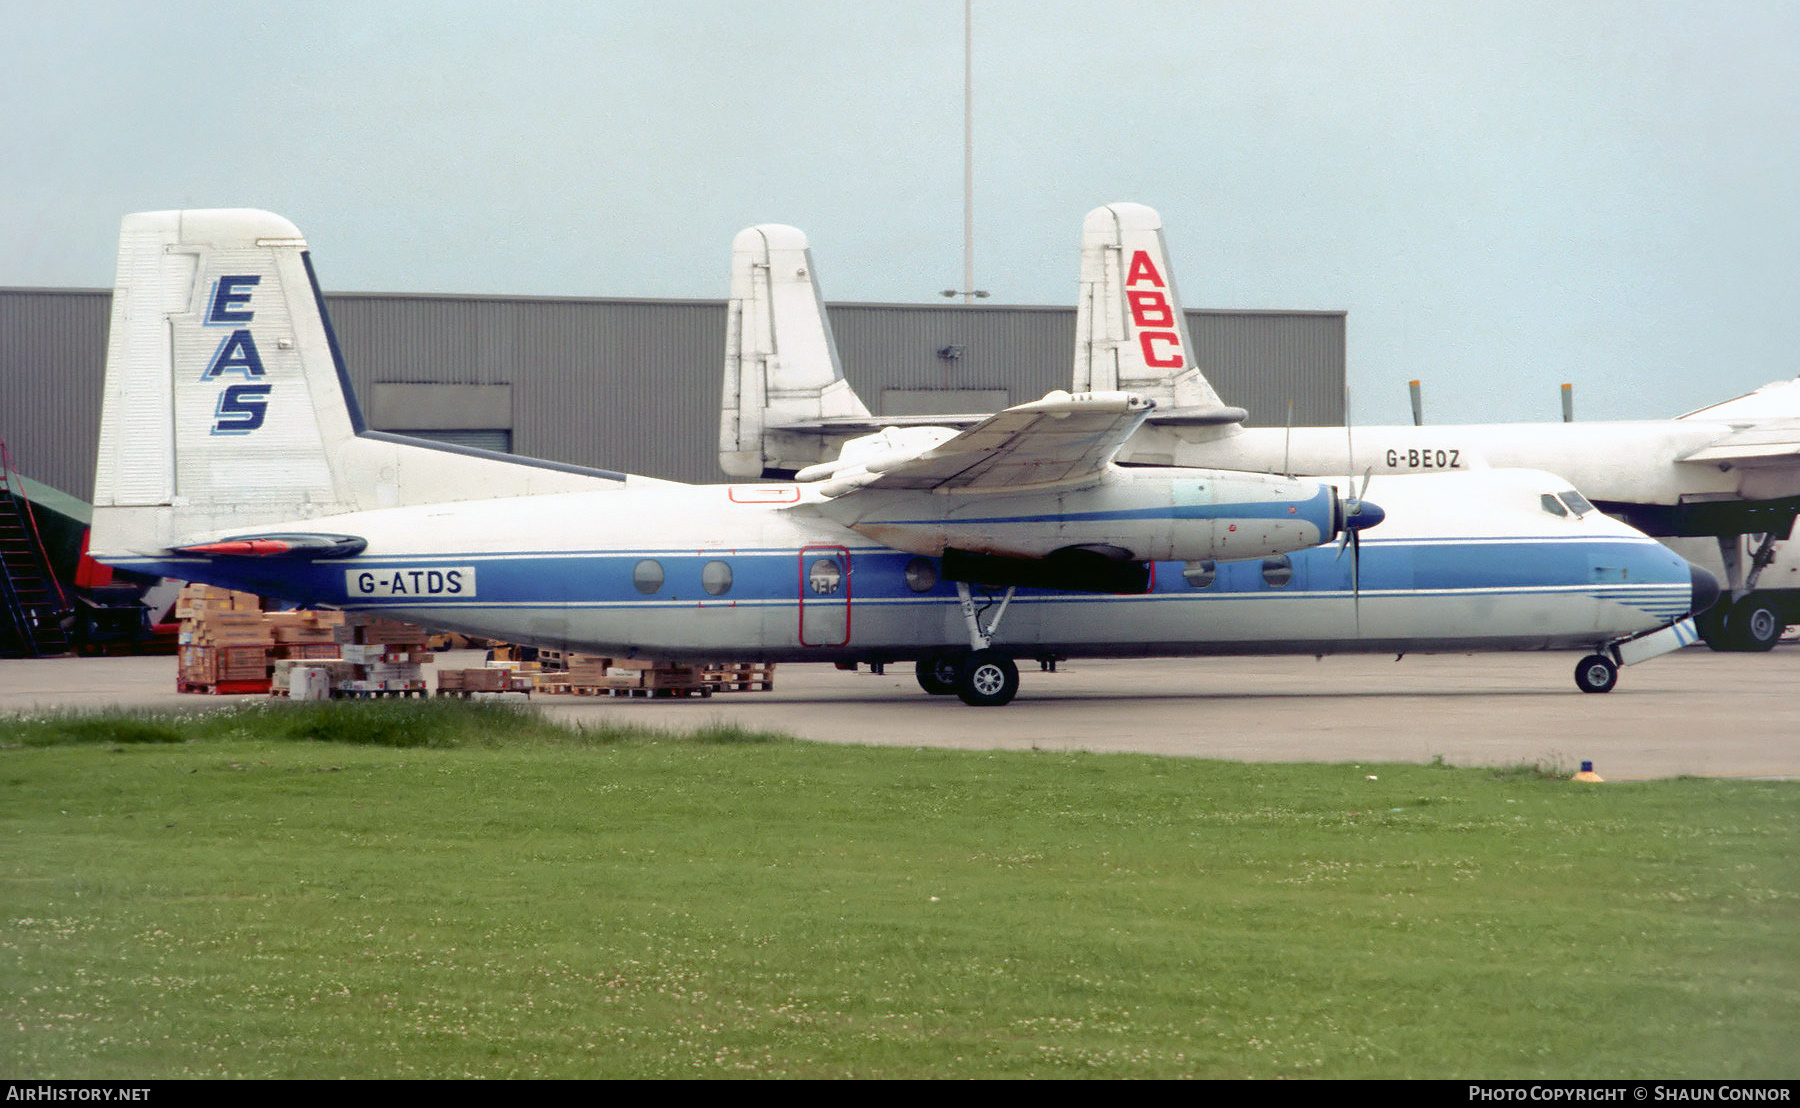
pixel 232 453
pixel 1467 560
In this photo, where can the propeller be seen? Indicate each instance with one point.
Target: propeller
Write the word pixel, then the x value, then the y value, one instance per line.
pixel 1357 515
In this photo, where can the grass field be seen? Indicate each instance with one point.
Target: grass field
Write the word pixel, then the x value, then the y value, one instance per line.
pixel 437 889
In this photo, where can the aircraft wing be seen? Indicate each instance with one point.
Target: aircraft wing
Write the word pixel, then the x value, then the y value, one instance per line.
pixel 1763 445
pixel 868 424
pixel 1062 441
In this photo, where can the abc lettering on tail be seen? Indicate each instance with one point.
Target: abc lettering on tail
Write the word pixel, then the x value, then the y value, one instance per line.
pixel 1151 313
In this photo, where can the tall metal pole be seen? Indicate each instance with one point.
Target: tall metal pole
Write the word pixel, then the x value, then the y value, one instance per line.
pixel 968 292
pixel 968 152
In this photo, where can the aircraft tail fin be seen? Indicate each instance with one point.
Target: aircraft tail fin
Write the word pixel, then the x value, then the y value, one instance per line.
pixel 226 406
pixel 1131 334
pixel 781 361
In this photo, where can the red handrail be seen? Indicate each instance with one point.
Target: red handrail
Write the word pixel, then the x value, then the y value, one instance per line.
pixel 6 482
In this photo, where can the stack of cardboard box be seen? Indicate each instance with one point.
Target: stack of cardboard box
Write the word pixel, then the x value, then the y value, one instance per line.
pixel 388 657
pixel 230 645
pixel 223 646
pixel 463 682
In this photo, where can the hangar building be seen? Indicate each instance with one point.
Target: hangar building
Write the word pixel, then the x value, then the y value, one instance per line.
pixel 634 384
pixel 629 385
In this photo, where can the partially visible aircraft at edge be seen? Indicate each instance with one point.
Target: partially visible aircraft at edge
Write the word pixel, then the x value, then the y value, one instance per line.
pixel 1728 474
pixel 1494 560
pixel 232 453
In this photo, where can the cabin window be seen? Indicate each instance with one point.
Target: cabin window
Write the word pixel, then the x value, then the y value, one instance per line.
pixel 715 578
pixel 648 576
pixel 823 577
pixel 921 575
pixel 1552 505
pixel 1200 574
pixel 1277 571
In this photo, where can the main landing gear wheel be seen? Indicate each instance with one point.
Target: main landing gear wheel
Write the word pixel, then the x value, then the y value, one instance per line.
pixel 1711 625
pixel 937 672
pixel 987 679
pixel 1754 624
pixel 1596 673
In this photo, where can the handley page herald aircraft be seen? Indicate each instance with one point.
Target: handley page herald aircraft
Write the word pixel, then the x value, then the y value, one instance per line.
pixel 232 453
pixel 1488 560
pixel 1729 472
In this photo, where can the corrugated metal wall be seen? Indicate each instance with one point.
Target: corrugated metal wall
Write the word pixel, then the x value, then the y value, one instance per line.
pixel 52 356
pixel 634 384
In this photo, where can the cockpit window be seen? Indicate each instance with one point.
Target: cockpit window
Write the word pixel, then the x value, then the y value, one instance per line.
pixel 1577 503
pixel 1553 505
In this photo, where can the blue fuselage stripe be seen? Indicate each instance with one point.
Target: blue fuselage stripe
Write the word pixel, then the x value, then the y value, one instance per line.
pixel 1641 573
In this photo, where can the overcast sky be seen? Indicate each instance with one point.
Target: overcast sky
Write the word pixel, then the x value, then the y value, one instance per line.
pixel 1504 195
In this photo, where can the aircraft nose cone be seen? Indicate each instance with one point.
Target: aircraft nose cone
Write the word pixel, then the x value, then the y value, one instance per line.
pixel 1366 516
pixel 1706 588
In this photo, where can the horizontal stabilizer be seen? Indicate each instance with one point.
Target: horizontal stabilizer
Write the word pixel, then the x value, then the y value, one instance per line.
pixel 1197 417
pixel 284 545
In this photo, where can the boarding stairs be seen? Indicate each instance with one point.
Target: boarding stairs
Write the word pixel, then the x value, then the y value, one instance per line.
pixel 36 611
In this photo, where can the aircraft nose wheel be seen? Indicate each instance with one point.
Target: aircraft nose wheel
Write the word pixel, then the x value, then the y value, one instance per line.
pixel 986 679
pixel 1596 673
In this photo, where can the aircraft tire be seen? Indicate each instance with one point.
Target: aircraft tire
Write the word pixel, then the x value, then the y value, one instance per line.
pixel 1711 624
pixel 1755 624
pixel 936 672
pixel 1596 673
pixel 987 679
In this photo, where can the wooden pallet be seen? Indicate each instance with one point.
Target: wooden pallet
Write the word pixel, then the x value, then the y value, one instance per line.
pixel 376 694
pixel 225 688
pixel 465 694
pixel 646 693
pixel 740 677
